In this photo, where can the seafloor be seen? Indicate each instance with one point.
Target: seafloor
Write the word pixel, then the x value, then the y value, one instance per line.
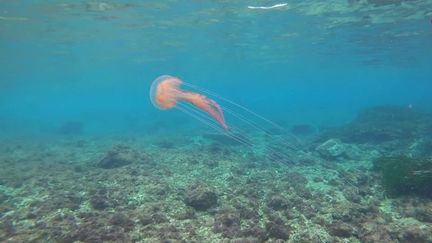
pixel 80 188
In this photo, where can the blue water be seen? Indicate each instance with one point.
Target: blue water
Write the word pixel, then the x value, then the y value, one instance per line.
pixel 94 62
pixel 86 157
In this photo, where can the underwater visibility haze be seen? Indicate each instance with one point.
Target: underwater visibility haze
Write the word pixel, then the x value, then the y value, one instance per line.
pixel 216 121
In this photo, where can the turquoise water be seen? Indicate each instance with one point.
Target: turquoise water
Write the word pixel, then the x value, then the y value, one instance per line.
pixel 308 62
pixel 74 85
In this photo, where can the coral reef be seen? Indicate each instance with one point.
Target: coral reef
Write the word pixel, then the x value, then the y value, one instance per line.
pixel 149 189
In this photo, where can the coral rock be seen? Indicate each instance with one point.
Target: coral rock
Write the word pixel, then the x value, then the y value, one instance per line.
pixel 117 157
pixel 277 230
pixel 278 203
pixel 200 197
pixel 99 198
pixel 341 229
pixel 336 149
pixel 331 148
pixel 122 220
pixel 228 224
pixel 153 218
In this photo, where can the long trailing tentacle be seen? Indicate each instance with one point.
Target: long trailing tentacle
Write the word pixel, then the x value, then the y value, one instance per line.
pixel 236 133
pixel 272 156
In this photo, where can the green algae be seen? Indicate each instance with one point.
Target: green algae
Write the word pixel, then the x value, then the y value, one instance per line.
pixel 402 175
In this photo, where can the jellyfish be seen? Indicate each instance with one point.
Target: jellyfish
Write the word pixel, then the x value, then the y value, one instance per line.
pixel 165 93
pixel 245 126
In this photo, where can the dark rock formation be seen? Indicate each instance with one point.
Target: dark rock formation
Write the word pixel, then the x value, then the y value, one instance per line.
pixel 99 198
pixel 152 218
pixel 277 202
pixel 200 197
pixel 117 157
pixel 227 223
pixel 277 229
pixel 122 220
pixel 341 229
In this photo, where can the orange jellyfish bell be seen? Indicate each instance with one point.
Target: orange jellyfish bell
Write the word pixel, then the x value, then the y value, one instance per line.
pixel 165 92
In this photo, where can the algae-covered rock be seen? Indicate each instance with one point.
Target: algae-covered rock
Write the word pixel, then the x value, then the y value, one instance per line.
pixel 383 124
pixel 331 148
pixel 334 149
pixel 99 198
pixel 277 202
pixel 277 229
pixel 117 157
pixel 421 147
pixel 200 197
pixel 227 223
pixel 404 175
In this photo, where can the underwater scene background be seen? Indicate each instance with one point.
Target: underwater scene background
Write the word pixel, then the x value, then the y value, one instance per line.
pixel 343 153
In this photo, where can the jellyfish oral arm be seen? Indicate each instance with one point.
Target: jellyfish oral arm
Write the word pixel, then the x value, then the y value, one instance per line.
pixel 207 105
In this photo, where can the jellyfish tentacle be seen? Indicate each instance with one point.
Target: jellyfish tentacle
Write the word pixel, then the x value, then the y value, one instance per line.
pixel 269 152
pixel 272 154
pixel 248 111
pixel 205 104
